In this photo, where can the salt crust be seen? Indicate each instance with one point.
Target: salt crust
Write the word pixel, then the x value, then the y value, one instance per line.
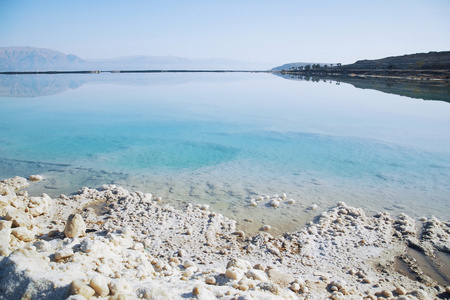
pixel 139 248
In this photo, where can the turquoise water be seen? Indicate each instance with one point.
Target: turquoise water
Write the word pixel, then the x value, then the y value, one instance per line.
pixel 223 138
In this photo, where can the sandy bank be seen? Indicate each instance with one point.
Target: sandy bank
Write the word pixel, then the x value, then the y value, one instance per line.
pixel 139 248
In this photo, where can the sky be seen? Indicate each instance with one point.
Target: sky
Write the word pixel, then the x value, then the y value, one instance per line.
pixel 269 32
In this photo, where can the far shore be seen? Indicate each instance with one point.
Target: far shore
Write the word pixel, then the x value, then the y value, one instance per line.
pixel 131 71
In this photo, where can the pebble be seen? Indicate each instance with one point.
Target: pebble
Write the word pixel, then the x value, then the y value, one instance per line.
pixel 75 226
pixel 196 290
pixel 100 285
pixel 233 273
pixel 291 201
pixel 295 287
pixel 210 280
pixel 313 207
pixel 274 203
pixel 400 291
pixel 253 203
pixel 63 254
pixel 239 233
pixel 266 227
pixel 5 224
pixel 22 234
pixel 78 288
pixel 35 178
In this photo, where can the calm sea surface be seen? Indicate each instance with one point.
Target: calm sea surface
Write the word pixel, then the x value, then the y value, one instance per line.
pixel 225 138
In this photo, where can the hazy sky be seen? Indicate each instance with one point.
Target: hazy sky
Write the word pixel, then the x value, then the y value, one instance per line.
pixel 272 32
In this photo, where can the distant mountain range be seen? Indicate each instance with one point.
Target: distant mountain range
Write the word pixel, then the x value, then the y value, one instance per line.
pixel 19 59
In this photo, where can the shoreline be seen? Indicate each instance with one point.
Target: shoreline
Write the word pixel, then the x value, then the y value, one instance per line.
pixel 139 248
pixel 129 71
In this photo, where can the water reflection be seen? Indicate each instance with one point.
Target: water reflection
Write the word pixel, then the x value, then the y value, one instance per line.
pixel 426 90
pixel 31 86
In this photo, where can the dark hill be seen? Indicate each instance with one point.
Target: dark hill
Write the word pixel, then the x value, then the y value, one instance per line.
pixel 423 61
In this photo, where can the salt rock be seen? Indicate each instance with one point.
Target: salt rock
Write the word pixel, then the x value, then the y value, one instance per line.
pixel 313 207
pixel 239 233
pixel 257 275
pixel 210 280
pixel 65 253
pixel 253 203
pixel 77 287
pixel 291 201
pixel 75 226
pixel 5 224
pixel 5 236
pixel 118 286
pixel 239 263
pixel 274 203
pixel 234 273
pixel 43 246
pixel 295 287
pixel 266 227
pixel 147 198
pixel 7 199
pixel 271 287
pixel 283 196
pixel 400 291
pixel 4 250
pixel 100 285
pixel 75 297
pixel 35 178
pixel 23 234
pixel 280 278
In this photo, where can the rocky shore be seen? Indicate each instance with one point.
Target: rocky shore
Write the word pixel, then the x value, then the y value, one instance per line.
pixel 116 244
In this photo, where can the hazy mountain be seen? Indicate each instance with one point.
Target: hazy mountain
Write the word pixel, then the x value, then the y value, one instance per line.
pixel 38 59
pixel 33 59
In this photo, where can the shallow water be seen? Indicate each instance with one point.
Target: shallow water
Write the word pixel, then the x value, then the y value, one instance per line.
pixel 224 138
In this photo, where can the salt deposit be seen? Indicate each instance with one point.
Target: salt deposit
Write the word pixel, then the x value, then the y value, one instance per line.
pixel 139 248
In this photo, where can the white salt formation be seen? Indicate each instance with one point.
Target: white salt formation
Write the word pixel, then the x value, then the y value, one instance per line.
pixel 140 249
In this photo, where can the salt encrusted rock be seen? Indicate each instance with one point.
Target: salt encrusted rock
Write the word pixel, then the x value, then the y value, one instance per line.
pixel 400 291
pixel 118 286
pixel 274 203
pixel 65 253
pixel 75 297
pixel 234 273
pixel 196 290
pixel 257 275
pixel 23 234
pixel 313 207
pixel 100 285
pixel 5 236
pixel 210 280
pixel 75 226
pixel 271 287
pixel 266 227
pixel 4 224
pixel 77 287
pixel 43 246
pixel 239 233
pixel 239 263
pixel 35 178
pixel 295 287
